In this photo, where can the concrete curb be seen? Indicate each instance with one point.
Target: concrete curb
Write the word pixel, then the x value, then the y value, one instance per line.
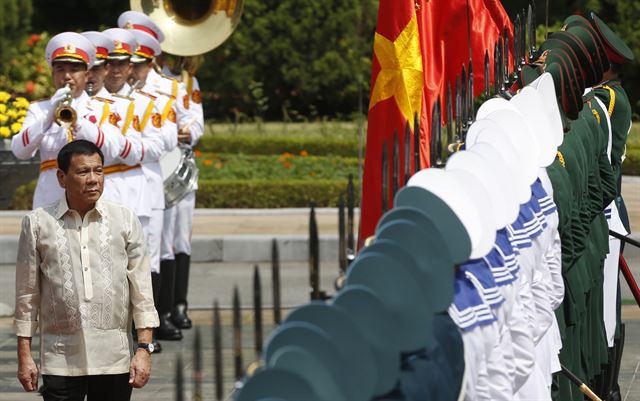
pixel 228 248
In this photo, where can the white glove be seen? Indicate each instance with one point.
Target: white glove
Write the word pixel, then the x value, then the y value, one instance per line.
pixel 59 96
pixel 55 100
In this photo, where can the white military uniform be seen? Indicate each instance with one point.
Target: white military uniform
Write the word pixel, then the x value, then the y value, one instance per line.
pixel 130 181
pixel 125 179
pixel 154 145
pixel 49 140
pixel 178 220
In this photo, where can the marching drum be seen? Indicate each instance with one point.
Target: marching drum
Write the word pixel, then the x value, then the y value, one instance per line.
pixel 179 174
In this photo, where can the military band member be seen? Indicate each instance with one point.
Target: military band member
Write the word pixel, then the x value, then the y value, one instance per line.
pixel 142 60
pixel 69 55
pixel 146 121
pixel 179 218
pixel 125 177
pixel 176 238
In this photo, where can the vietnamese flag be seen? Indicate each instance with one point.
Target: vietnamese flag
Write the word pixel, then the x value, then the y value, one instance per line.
pixel 397 81
pixel 419 48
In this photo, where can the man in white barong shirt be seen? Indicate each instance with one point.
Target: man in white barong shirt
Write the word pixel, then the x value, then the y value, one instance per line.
pixel 82 274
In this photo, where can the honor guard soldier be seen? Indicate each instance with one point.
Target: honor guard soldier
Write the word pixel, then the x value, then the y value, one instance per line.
pixel 618 111
pixel 178 219
pixel 146 121
pixel 125 177
pixel 69 114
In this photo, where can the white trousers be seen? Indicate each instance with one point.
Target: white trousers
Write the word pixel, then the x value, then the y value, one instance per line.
pixel 610 288
pixel 152 229
pixel 178 223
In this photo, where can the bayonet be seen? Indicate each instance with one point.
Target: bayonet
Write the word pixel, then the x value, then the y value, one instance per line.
pixel 275 280
pixel 314 268
pixel 523 39
pixel 416 142
pixel 351 199
pixel 342 241
pixel 217 351
pixel 505 59
pixel 439 131
pixel 531 31
pixel 487 77
pixel 179 380
pixel 407 153
pixel 385 177
pixel 516 44
pixel 433 145
pixel 458 110
pixel 197 367
pixel 496 67
pixel 395 163
pixel 470 97
pixel 449 121
pixel 237 336
pixel 257 310
pixel 463 102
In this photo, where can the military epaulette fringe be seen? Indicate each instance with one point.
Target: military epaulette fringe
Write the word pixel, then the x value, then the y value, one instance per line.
pixel 44 99
pixel 122 96
pixel 149 95
pixel 165 76
pixel 561 159
pixel 165 94
pixel 102 99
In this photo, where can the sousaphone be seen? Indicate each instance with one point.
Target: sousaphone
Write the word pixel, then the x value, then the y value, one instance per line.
pixel 192 27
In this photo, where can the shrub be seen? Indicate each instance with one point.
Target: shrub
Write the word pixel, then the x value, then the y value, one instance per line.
pixel 269 194
pixel 287 166
pixel 277 145
pixel 23 197
pixel 243 193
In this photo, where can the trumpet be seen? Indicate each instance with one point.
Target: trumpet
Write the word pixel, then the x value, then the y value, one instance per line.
pixel 65 114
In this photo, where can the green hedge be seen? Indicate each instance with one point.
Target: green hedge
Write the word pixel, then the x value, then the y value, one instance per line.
pixel 269 194
pixel 631 165
pixel 276 145
pixel 243 193
pixel 23 197
pixel 215 166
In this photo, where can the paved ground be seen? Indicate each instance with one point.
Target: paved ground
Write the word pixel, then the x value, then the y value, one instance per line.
pixel 216 280
pixel 161 386
pixel 211 281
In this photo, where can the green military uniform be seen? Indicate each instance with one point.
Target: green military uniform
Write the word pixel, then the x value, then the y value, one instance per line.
pixel 615 98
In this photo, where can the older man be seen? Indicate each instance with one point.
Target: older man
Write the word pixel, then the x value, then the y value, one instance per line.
pixel 82 274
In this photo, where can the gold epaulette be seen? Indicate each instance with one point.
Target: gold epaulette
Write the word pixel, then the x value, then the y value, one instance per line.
pixel 149 95
pixel 165 94
pixel 44 99
pixel 122 97
pixel 102 99
pixel 165 76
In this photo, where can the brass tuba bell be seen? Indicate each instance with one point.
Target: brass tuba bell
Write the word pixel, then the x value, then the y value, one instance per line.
pixel 192 27
pixel 66 115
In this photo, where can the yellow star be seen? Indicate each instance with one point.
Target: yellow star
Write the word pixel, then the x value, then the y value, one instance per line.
pixel 400 73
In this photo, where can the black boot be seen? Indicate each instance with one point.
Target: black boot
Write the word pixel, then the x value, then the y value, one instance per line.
pixel 167 330
pixel 179 313
pixel 155 285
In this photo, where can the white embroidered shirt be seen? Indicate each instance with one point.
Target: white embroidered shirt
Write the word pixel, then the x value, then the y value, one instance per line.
pixel 80 281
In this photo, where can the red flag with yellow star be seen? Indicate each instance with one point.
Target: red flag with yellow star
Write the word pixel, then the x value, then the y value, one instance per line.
pixel 419 49
pixel 397 81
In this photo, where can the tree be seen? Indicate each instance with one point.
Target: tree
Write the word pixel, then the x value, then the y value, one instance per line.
pixel 312 58
pixel 15 22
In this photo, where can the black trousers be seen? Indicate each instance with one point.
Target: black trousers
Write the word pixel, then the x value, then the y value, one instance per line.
pixel 95 388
